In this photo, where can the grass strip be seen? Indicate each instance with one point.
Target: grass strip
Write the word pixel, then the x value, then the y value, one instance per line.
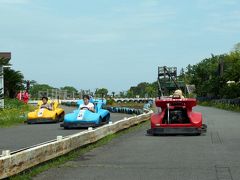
pixel 14 113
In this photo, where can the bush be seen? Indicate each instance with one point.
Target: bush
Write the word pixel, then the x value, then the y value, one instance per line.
pixel 230 107
pixel 15 112
pixel 231 91
pixel 110 102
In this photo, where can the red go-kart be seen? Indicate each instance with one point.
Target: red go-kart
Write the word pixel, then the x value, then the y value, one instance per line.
pixel 176 117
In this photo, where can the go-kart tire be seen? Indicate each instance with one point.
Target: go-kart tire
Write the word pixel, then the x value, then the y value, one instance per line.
pixel 204 128
pixel 107 118
pixel 61 117
pixel 100 121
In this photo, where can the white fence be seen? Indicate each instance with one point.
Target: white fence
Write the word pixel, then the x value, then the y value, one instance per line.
pixel 11 164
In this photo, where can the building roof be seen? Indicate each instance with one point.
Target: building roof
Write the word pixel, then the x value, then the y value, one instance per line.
pixel 5 58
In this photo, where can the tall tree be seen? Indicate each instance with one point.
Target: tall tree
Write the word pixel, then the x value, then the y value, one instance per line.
pixel 13 82
pixel 29 83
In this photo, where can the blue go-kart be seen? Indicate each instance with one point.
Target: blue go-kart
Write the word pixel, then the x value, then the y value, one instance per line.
pixel 83 118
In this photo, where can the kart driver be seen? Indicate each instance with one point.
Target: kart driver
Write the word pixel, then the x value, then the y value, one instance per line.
pixel 45 104
pixel 178 93
pixel 87 105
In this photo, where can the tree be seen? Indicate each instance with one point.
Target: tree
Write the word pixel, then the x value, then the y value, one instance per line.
pixel 113 94
pixel 150 91
pixel 181 75
pixel 237 47
pixel 210 76
pixel 122 94
pixel 69 89
pixel 142 89
pixel 13 82
pixel 130 93
pixel 34 90
pixel 101 91
pixel 29 83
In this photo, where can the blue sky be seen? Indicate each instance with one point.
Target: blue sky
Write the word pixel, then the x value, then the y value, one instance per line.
pixel 113 44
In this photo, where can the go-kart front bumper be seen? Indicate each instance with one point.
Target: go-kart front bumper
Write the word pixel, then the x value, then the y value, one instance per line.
pixel 69 125
pixel 177 130
pixel 41 121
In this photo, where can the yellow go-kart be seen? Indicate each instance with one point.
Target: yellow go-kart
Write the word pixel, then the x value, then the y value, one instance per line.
pixel 44 115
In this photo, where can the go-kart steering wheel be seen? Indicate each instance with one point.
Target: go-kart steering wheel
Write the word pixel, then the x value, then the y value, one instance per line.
pixel 84 108
pixel 45 108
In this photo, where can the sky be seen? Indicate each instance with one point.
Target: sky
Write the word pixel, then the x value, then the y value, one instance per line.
pixel 113 44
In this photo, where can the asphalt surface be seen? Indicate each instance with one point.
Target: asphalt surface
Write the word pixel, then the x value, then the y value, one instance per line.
pixel 213 156
pixel 17 137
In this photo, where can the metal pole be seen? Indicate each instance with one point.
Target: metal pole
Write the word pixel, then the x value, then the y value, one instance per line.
pixel 168 118
pixel 2 86
pixel 170 77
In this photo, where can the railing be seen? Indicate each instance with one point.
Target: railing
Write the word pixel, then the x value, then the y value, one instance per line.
pixel 119 100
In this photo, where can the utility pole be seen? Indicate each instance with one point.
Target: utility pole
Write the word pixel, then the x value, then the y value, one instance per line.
pixel 220 67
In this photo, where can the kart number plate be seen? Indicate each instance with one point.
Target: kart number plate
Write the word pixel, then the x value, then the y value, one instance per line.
pixel 40 112
pixel 80 114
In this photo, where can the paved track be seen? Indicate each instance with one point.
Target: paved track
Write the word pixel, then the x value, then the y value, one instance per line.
pixel 214 156
pixel 24 135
